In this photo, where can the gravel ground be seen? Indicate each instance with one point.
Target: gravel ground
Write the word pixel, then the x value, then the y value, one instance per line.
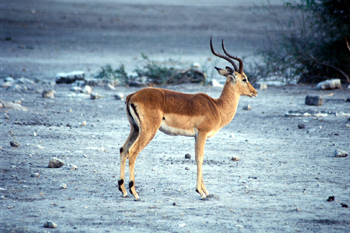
pixel 281 182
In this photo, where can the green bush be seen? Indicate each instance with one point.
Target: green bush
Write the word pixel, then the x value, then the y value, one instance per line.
pixel 309 42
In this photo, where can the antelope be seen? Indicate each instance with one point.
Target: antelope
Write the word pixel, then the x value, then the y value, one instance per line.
pixel 175 113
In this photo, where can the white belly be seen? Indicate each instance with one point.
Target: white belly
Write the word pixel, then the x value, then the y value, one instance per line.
pixel 175 131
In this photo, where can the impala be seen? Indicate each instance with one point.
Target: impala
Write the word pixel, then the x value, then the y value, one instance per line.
pixel 174 113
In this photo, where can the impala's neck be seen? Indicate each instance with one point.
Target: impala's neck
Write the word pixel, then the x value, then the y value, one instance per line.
pixel 228 103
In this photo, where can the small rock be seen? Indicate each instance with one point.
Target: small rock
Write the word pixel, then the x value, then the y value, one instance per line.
pixel 83 124
pixel 187 156
pixel 348 100
pixel 48 94
pixel 86 90
pixel 14 144
pixel 50 224
pixel 63 186
pixel 70 77
pixel 340 153
pixel 261 86
pixel 17 88
pixel 9 79
pixel 23 80
pixel 331 198
pixel 235 158
pixel 95 96
pixel 174 204
pixel 344 205
pixel 313 100
pixel 247 107
pixel 187 168
pixel 301 126
pixel 6 84
pixel 75 88
pixel 73 167
pixel 35 174
pixel 215 83
pixel 119 96
pixel 55 163
pixel 6 104
pixel 329 84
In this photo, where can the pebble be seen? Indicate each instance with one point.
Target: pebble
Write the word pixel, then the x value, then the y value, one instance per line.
pixel 83 124
pixel 23 80
pixel 329 84
pixel 313 100
pixel 215 83
pixel 63 186
pixel 261 86
pixel 235 158
pixel 344 205
pixel 6 84
pixel 50 224
pixel 73 167
pixel 86 90
pixel 14 144
pixel 48 94
pixel 301 126
pixel 9 79
pixel 340 153
pixel 187 168
pixel 187 156
pixel 247 107
pixel 95 96
pixel 347 100
pixel 75 88
pixel 6 104
pixel 119 96
pixel 35 174
pixel 55 163
pixel 70 77
pixel 331 198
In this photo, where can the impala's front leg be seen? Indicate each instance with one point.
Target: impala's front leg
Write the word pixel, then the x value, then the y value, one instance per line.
pixel 200 144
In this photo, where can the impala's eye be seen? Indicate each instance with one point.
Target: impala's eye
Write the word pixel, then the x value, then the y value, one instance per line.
pixel 245 80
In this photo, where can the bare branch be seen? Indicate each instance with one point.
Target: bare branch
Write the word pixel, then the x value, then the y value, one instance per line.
pixel 339 70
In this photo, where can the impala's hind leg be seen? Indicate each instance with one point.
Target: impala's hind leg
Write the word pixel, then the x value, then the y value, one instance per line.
pixel 146 134
pixel 124 151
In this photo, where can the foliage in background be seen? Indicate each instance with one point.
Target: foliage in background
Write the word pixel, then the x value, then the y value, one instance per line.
pixel 152 72
pixel 307 40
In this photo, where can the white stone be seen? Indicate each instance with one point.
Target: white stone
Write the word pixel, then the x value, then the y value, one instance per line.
pixel 119 96
pixel 75 88
pixel 329 84
pixel 215 83
pixel 71 74
pixel 86 90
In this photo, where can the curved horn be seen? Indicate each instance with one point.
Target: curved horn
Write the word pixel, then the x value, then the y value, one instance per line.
pixel 236 58
pixel 222 56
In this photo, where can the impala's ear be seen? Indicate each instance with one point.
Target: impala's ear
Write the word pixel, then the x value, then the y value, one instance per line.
pixel 229 70
pixel 221 71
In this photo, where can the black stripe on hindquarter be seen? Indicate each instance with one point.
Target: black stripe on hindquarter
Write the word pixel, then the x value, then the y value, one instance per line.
pixel 134 108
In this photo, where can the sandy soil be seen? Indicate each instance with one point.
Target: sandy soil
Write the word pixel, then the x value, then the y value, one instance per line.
pixel 280 184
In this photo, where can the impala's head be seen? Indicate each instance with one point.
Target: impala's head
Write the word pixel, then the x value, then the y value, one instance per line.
pixel 234 76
